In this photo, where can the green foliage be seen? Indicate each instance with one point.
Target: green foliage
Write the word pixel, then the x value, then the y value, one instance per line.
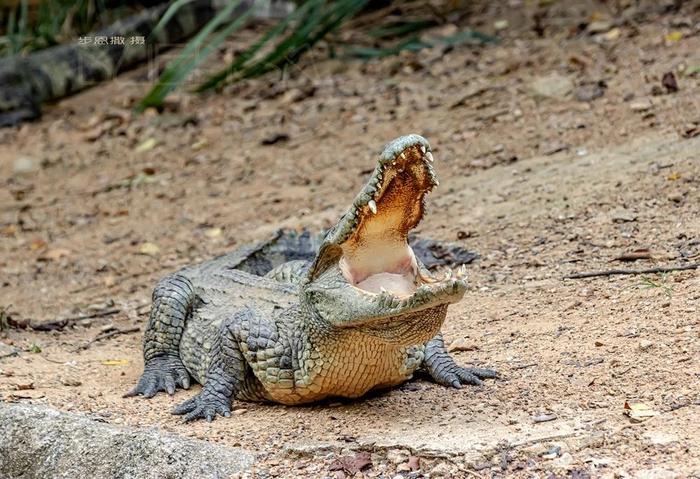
pixel 304 27
pixel 28 28
pixel 400 28
pixel 4 317
pixel 284 43
pixel 415 44
pixel 662 284
pixel 194 53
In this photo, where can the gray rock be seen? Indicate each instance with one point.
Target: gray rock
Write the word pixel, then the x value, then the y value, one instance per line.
pixel 656 473
pixel 590 91
pixel 7 350
pixel 23 165
pixel 38 442
pixel 553 85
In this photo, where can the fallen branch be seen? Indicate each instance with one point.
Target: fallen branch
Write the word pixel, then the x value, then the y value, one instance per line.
pixel 612 272
pixel 97 314
pixel 60 324
pixel 524 366
pixel 108 334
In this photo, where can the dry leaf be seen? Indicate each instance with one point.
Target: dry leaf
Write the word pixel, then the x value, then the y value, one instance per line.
pixel 674 176
pixel 691 130
pixel 544 417
pixel 9 230
pixel 115 362
pixel 639 412
pixel 673 36
pixel 55 254
pixel 36 244
pixel 213 232
pixel 352 464
pixel 642 253
pixel 149 249
pixel 199 144
pixel 613 34
pixel 146 145
pixel 461 344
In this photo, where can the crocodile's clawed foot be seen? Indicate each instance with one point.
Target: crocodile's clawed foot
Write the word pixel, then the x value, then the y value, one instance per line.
pixel 460 376
pixel 163 373
pixel 205 405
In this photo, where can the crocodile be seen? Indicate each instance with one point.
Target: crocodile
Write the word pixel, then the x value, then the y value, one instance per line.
pixel 364 314
pixel 27 81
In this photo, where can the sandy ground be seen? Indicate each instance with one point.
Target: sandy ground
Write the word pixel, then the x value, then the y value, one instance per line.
pixel 95 206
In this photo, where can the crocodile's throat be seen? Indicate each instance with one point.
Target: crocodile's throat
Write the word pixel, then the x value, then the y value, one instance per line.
pixel 376 255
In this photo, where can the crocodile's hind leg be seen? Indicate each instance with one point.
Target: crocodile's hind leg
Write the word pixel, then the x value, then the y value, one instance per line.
pixel 443 369
pixel 226 376
pixel 163 370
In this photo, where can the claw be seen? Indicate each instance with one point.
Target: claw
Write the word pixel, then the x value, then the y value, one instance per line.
pixel 205 405
pixel 162 373
pixel 170 385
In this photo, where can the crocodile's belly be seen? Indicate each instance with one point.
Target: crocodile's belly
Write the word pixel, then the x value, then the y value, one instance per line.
pixel 351 373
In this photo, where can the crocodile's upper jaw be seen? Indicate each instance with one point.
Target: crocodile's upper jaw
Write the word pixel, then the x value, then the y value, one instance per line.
pixel 376 255
pixel 369 245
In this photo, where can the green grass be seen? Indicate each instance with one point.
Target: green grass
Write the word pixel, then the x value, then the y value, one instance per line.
pixel 283 44
pixel 26 28
pixel 4 316
pixel 661 284
pixel 279 47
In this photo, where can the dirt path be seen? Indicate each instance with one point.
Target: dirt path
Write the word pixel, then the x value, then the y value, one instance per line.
pixel 540 185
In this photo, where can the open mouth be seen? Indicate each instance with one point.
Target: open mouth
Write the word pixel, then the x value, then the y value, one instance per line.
pixel 376 257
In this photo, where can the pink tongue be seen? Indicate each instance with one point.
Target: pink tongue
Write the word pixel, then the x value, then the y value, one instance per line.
pixel 398 284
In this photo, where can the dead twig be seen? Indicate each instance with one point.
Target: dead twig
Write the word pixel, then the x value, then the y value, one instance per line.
pixel 524 366
pixel 108 334
pixel 60 324
pixel 98 314
pixel 612 272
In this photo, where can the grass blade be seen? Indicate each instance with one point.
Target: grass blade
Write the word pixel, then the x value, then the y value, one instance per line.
pixel 190 57
pixel 400 29
pixel 313 26
pixel 219 77
pixel 415 44
pixel 167 16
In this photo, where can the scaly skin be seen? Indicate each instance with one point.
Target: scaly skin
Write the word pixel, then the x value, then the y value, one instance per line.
pixel 311 330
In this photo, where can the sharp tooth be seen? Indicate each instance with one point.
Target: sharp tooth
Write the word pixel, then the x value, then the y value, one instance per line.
pixel 437 183
pixel 462 271
pixel 422 148
pixel 382 290
pixel 372 206
pixel 393 163
pixel 429 156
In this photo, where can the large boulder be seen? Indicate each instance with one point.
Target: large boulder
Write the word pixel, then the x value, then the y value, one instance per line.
pixel 40 442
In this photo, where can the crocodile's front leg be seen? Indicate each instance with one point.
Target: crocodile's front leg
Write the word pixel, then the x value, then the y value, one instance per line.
pixel 443 369
pixel 245 341
pixel 163 370
pixel 226 374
